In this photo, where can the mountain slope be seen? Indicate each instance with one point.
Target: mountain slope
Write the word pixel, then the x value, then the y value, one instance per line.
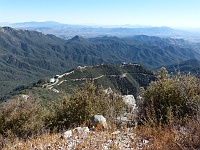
pixel 125 79
pixel 191 66
pixel 27 56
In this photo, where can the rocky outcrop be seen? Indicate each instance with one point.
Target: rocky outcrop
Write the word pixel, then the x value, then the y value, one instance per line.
pixel 129 117
pixel 129 100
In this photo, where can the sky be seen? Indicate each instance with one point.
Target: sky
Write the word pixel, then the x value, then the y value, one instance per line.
pixel 171 13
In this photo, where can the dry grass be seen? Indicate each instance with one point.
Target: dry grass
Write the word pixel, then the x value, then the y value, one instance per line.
pixel 154 138
pixel 186 137
pixel 189 135
pixel 159 138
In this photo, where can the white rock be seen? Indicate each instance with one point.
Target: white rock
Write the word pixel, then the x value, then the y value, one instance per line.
pixel 129 100
pixel 145 141
pixel 68 134
pixel 108 91
pixel 99 119
pixel 82 130
pixel 25 97
pixel 79 131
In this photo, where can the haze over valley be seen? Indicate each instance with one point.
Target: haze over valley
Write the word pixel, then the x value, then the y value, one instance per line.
pixel 67 31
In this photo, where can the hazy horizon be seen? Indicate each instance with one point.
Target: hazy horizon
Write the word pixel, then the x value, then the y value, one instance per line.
pixel 170 13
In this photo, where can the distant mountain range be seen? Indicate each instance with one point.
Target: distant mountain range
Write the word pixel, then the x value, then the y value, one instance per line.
pixel 67 31
pixel 27 56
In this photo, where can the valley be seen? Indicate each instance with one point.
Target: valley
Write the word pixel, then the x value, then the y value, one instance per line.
pixel 28 56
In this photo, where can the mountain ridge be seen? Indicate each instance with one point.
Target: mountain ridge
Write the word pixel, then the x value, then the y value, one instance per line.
pixel 124 79
pixel 68 31
pixel 27 56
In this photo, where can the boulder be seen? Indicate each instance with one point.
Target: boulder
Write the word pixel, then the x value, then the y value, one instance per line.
pixel 129 100
pixel 99 121
pixel 129 117
pixel 67 134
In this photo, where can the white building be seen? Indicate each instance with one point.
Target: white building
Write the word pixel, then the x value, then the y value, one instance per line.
pixel 52 80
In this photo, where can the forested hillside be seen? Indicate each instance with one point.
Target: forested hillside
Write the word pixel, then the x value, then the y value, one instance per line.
pixel 27 56
pixel 123 79
pixel 190 67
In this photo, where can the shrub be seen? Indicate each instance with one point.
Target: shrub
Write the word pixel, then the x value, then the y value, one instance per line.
pixel 82 105
pixel 170 99
pixel 21 117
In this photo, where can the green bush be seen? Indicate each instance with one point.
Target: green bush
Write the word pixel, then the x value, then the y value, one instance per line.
pixel 82 105
pixel 170 99
pixel 21 117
